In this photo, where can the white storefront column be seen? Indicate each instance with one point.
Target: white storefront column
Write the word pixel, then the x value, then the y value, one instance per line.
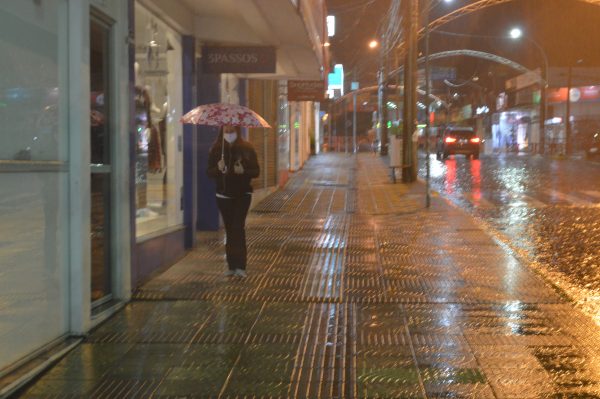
pixel 118 11
pixel 80 313
pixel 79 168
pixel 318 132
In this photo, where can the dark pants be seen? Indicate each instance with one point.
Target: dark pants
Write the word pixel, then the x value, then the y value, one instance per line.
pixel 234 211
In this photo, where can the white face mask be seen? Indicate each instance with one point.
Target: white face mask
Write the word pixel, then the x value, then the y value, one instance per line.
pixel 230 137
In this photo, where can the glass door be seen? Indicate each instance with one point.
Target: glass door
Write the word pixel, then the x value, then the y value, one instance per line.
pixel 101 171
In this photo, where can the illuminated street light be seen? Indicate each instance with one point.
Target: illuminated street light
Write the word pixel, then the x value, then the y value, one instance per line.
pixel 373 43
pixel 516 33
pixel 427 104
pixel 330 25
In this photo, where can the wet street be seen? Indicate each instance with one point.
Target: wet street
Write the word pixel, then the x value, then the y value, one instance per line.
pixel 354 291
pixel 548 210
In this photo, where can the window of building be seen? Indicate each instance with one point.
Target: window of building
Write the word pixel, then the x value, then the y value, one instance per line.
pixel 158 80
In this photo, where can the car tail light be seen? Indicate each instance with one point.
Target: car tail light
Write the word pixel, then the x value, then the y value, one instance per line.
pixel 475 140
pixel 450 140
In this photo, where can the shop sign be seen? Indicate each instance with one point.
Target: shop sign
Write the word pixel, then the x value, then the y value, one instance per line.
pixel 587 93
pixel 537 97
pixel 482 110
pixel 306 90
pixel 229 59
pixel 524 97
pixel 524 80
pixel 557 95
pixel 501 102
pixel 590 93
pixel 467 111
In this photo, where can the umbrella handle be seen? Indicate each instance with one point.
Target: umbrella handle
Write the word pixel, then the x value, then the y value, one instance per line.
pixel 223 147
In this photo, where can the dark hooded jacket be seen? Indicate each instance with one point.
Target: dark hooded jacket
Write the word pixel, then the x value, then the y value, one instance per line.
pixel 231 184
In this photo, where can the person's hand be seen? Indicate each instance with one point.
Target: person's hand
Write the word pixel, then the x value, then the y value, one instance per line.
pixel 221 166
pixel 238 168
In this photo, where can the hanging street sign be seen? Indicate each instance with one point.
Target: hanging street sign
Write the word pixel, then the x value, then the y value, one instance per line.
pixel 306 90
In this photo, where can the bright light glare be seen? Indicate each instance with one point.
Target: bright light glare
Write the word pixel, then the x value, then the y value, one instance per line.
pixel 330 25
pixel 516 33
pixel 326 44
pixel 373 43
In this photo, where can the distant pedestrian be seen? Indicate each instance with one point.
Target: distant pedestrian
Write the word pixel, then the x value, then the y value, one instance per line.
pixel 233 163
pixel 375 146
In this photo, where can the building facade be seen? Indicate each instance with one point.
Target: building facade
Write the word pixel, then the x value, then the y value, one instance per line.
pixel 102 186
pixel 516 125
pixel 65 253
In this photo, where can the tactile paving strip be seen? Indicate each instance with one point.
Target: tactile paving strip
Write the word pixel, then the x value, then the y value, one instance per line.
pixel 354 291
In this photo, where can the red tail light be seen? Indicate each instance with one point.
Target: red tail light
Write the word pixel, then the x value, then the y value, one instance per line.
pixel 475 140
pixel 450 140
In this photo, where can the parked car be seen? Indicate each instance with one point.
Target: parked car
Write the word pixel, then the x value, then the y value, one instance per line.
pixel 457 140
pixel 593 150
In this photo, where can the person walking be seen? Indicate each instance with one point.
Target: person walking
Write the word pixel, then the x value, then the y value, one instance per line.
pixel 233 163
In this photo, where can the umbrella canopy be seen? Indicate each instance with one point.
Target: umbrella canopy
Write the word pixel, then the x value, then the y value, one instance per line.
pixel 221 114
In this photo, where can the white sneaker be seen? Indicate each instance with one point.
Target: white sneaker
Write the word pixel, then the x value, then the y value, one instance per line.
pixel 229 273
pixel 241 273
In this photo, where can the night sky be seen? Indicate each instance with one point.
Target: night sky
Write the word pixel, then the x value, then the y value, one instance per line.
pixel 568 30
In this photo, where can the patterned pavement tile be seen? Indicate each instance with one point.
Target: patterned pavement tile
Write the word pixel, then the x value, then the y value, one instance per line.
pixel 354 291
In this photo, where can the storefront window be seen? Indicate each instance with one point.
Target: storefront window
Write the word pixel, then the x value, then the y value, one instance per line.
pixel 30 91
pixel 33 176
pixel 283 130
pixel 158 177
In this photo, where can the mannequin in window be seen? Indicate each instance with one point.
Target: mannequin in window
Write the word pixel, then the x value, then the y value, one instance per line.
pixel 162 129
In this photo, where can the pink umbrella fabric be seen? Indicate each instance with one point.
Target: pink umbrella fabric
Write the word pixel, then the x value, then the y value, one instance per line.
pixel 221 114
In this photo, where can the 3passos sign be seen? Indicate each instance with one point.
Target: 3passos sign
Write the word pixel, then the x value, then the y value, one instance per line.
pixel 306 90
pixel 230 59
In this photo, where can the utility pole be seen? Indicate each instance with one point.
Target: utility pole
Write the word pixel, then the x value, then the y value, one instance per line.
pixel 382 134
pixel 334 122
pixel 427 103
pixel 330 125
pixel 379 125
pixel 568 116
pixel 543 88
pixel 354 88
pixel 354 122
pixel 384 117
pixel 345 125
pixel 411 18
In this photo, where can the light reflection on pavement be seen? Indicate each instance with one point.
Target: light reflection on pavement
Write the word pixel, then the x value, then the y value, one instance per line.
pixel 547 210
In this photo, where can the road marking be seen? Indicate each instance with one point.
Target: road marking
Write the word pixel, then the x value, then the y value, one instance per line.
pixel 568 198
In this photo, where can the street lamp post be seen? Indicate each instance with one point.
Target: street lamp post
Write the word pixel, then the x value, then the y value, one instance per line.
pixel 427 123
pixel 517 33
pixel 345 126
pixel 354 149
pixel 382 133
pixel 427 107
pixel 411 22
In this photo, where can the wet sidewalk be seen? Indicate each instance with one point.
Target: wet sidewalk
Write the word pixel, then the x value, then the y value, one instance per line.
pixel 354 291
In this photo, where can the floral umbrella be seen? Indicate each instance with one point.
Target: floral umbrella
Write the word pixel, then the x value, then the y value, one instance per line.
pixel 221 114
